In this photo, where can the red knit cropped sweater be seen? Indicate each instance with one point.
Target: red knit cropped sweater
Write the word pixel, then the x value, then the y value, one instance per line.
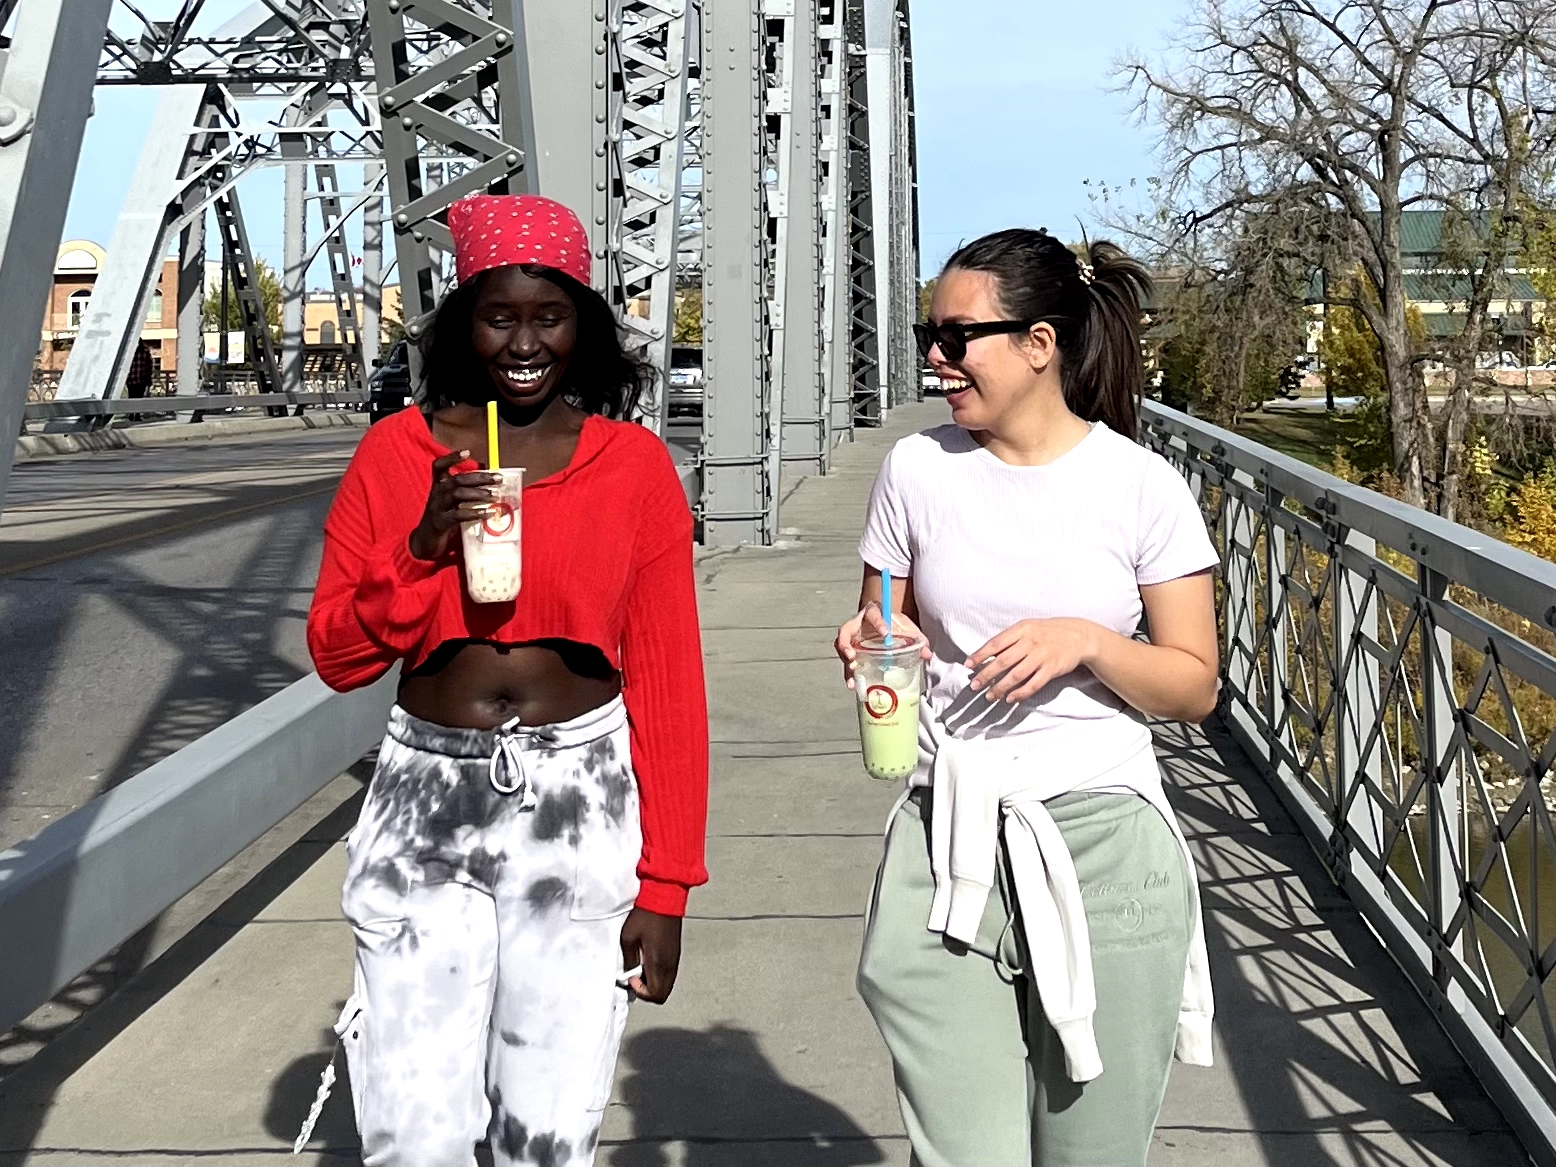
pixel 607 546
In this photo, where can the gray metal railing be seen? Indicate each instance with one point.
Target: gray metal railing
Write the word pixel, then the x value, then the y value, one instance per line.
pixel 1393 673
pixel 74 892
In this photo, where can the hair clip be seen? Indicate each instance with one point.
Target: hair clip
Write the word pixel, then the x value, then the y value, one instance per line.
pixel 1087 273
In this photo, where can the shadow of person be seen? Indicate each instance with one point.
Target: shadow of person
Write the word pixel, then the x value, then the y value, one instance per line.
pixel 292 1093
pixel 716 1092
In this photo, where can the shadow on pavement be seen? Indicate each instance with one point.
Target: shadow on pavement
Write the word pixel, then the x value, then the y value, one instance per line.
pixel 716 1092
pixel 335 1134
pixel 27 1093
pixel 1335 1058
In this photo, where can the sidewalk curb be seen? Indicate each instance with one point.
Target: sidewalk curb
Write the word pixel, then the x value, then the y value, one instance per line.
pixel 31 446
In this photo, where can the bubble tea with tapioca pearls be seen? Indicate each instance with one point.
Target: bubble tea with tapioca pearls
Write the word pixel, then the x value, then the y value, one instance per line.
pixel 888 684
pixel 491 544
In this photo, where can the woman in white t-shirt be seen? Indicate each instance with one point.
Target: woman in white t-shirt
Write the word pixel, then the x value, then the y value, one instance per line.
pixel 1034 955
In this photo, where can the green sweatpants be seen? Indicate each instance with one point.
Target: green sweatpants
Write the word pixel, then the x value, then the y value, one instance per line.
pixel 980 1073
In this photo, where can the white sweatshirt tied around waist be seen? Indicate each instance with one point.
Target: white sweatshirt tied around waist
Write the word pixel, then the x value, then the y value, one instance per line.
pixel 978 781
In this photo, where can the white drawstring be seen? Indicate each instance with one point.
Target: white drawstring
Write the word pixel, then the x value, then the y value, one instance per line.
pixel 508 772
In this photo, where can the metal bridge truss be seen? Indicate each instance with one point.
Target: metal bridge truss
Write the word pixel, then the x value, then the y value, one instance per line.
pixel 760 151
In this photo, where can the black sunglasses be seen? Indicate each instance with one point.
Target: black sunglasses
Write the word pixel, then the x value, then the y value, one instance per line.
pixel 952 336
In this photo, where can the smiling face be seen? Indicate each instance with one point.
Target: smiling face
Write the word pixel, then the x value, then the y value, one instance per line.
pixel 998 372
pixel 523 332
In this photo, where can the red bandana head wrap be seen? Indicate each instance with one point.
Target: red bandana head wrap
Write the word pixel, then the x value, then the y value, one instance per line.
pixel 506 230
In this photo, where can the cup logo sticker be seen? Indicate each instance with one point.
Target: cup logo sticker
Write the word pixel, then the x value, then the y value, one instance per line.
pixel 880 701
pixel 500 521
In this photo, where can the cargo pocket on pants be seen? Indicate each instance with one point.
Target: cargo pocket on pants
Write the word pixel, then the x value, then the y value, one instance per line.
pixel 610 1047
pixel 605 883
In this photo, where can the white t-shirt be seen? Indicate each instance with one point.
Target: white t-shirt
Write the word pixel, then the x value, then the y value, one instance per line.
pixel 988 545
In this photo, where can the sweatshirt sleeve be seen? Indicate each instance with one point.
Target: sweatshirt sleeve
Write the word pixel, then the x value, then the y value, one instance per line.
pixel 374 599
pixel 667 705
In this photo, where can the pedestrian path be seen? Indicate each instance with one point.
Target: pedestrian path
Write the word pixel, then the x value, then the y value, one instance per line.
pixel 765 1054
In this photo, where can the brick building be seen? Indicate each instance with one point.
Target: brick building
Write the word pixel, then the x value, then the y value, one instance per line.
pixel 75 274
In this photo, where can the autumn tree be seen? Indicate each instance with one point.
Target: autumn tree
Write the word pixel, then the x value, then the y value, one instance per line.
pixel 687 328
pixel 269 296
pixel 1356 111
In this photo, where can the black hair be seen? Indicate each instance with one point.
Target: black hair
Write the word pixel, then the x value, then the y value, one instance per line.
pixel 1097 322
pixel 600 377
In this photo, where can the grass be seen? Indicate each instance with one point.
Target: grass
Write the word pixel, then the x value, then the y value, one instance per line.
pixel 1310 437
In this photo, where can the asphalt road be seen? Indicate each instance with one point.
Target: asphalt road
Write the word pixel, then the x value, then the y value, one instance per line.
pixel 146 597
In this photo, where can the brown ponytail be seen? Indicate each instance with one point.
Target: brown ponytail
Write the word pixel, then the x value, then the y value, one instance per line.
pixel 1094 307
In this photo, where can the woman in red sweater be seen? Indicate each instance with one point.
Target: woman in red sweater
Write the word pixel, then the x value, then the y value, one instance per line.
pixel 522 861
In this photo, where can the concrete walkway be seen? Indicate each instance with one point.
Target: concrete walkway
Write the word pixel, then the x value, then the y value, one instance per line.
pixel 765 1055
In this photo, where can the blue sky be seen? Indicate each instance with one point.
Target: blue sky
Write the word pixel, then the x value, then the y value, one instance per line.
pixel 1014 114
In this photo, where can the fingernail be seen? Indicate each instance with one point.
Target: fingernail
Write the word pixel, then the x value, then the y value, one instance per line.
pixel 464 453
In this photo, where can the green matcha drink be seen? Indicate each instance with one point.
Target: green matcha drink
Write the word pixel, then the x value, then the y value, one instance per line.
pixel 888 682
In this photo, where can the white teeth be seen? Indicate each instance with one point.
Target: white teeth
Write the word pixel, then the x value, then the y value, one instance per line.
pixel 953 384
pixel 525 376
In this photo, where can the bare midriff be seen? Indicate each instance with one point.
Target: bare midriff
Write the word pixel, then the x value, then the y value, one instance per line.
pixel 481 686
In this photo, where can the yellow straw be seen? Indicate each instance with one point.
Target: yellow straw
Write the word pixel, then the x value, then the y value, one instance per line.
pixel 492 458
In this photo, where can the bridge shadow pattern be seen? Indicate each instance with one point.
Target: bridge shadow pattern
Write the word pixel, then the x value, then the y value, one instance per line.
pixel 226 642
pixel 700 1098
pixel 1335 1058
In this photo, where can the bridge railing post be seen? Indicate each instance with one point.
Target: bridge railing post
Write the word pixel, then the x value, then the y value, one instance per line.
pixel 1277 623
pixel 1240 622
pixel 1444 772
pixel 1359 741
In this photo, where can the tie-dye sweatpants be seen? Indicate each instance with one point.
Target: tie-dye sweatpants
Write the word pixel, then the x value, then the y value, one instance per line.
pixel 490 994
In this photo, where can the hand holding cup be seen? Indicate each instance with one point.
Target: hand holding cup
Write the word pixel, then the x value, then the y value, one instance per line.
pixel 453 500
pixel 870 624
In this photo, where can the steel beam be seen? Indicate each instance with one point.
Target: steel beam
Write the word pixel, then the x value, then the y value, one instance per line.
pixel 191 306
pixel 570 116
pixel 880 37
pixel 648 61
pixel 372 264
pixel 832 193
pixel 805 409
pixel 456 89
pixel 348 325
pixel 865 337
pixel 294 267
pixel 111 325
pixel 739 495
pixel 45 98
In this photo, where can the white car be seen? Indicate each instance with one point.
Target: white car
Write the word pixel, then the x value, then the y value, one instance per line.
pixel 686 380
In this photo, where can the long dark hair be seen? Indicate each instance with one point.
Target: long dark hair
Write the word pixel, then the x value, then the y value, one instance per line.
pixel 601 377
pixel 1097 323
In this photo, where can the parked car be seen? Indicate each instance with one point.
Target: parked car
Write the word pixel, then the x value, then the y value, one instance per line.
pixel 930 380
pixel 389 387
pixel 686 380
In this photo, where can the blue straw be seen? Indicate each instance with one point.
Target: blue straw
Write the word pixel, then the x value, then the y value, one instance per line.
pixel 886 604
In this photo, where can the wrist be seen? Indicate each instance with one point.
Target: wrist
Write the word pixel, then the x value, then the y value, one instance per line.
pixel 423 546
pixel 1094 641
